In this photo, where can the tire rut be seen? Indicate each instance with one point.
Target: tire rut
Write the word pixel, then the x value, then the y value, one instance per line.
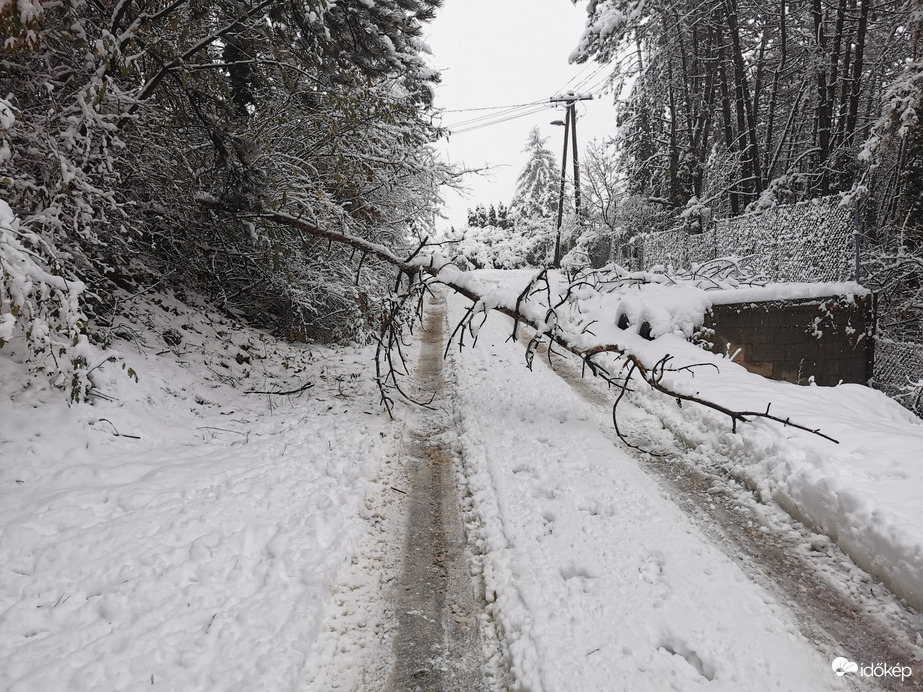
pixel 438 645
pixel 830 604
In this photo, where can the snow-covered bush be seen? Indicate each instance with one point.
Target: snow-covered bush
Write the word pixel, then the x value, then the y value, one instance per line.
pixel 42 311
pixel 587 245
pixel 145 155
pixel 696 216
pixel 530 243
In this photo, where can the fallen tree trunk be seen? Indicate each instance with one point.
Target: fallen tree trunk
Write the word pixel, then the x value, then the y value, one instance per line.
pixel 417 271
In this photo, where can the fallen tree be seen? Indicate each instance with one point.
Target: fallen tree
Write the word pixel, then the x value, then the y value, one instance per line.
pixel 420 269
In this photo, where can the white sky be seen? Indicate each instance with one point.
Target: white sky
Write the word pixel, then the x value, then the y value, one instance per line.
pixel 507 52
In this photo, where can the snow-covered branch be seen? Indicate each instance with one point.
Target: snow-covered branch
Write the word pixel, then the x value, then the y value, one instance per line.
pixel 419 270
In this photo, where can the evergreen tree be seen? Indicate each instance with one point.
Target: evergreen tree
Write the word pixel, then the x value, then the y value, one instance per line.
pixel 537 186
pixel 480 216
pixel 503 216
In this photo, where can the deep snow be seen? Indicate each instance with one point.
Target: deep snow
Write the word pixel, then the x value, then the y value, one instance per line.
pixel 198 556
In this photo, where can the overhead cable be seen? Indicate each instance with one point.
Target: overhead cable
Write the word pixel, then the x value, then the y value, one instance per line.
pixel 498 121
pixel 498 116
pixel 489 108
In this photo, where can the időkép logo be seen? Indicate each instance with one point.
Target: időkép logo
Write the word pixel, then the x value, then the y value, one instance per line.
pixel 842 666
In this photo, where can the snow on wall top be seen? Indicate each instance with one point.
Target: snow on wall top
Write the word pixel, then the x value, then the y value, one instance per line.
pixel 681 307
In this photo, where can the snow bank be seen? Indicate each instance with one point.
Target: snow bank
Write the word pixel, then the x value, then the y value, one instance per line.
pixel 179 532
pixel 865 493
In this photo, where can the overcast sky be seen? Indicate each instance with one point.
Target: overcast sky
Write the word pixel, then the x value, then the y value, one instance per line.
pixel 503 53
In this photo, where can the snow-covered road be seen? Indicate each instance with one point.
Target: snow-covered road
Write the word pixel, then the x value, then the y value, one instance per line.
pixel 598 579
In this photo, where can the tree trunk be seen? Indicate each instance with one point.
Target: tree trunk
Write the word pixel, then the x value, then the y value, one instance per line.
pixel 822 115
pixel 745 115
pixel 728 127
pixel 858 65
pixel 703 123
pixel 769 164
pixel 845 88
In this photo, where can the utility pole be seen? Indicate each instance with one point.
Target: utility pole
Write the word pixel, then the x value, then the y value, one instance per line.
pixel 570 127
pixel 557 240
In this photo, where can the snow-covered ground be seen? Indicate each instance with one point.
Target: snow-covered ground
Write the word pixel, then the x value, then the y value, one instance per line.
pixel 865 493
pixel 184 534
pixel 598 581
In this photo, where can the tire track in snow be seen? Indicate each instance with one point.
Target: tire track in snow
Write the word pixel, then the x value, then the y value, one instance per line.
pixel 403 615
pixel 438 645
pixel 834 602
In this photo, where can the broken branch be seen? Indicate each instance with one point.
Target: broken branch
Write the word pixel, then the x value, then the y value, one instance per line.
pixel 420 270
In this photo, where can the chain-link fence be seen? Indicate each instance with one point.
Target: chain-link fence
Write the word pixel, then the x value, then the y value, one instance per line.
pixel 810 241
pixel 898 372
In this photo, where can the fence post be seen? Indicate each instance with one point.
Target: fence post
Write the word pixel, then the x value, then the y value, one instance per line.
pixel 857 241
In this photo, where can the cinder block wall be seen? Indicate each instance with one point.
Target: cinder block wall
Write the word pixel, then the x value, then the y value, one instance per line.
pixel 793 340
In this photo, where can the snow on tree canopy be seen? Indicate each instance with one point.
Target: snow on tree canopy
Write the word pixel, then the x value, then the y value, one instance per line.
pixel 536 188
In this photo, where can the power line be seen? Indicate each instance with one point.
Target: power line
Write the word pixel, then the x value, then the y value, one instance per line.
pixel 497 116
pixel 502 114
pixel 591 77
pixel 492 116
pixel 490 108
pixel 498 121
pixel 597 88
pixel 579 75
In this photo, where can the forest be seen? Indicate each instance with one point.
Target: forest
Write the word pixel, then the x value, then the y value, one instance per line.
pixel 745 104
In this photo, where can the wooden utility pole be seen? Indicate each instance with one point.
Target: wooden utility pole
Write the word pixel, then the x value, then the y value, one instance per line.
pixel 576 157
pixel 570 128
pixel 557 240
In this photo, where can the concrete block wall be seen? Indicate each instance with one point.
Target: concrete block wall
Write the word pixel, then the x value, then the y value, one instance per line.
pixel 828 339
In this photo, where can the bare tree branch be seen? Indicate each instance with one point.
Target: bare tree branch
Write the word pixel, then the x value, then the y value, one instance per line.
pixel 419 270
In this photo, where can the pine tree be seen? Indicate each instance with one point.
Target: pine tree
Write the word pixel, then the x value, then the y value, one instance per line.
pixel 537 186
pixel 503 216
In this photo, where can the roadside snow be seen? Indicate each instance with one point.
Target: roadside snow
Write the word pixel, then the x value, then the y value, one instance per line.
pixel 198 556
pixel 865 493
pixel 597 580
